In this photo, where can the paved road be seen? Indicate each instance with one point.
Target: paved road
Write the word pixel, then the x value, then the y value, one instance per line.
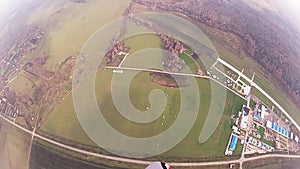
pixel 261 90
pixel 235 161
pixel 157 71
pixel 143 162
pixel 175 73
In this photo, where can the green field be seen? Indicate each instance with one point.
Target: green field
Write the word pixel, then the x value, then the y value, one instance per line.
pixel 189 62
pixel 261 131
pixel 71 28
pixel 145 41
pixel 239 149
pixel 252 104
pixel 27 86
pixel 63 122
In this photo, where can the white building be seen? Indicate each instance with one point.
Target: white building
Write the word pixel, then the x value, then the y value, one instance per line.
pixel 263 111
pixel 244 120
pixel 296 139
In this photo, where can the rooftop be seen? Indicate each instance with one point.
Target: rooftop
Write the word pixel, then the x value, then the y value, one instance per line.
pixel 233 142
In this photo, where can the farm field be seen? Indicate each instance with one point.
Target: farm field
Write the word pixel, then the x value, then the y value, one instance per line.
pixel 45 155
pixel 14 146
pixel 26 87
pixel 272 163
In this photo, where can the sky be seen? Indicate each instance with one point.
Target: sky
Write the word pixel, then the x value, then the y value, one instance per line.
pixel 7 6
pixel 291 8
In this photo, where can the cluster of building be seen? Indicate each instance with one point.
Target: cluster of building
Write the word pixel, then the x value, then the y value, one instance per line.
pixel 260 130
pixel 238 130
pixel 281 131
pixel 230 79
pixel 8 109
pixel 17 46
pixel 277 129
pixel 259 144
pixel 115 52
pixel 173 48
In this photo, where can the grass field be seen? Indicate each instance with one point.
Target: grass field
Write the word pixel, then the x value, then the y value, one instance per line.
pixel 252 104
pixel 71 28
pixel 63 121
pixel 139 42
pixel 45 155
pixel 26 87
pixel 261 130
pixel 189 62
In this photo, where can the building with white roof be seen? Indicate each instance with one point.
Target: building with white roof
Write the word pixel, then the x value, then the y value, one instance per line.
pixel 263 112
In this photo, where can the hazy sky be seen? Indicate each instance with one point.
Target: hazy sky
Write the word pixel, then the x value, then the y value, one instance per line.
pixel 290 7
pixel 8 5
